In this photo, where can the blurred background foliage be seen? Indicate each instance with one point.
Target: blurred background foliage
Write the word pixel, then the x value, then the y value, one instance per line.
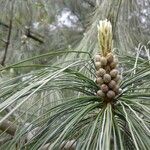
pixel 41 26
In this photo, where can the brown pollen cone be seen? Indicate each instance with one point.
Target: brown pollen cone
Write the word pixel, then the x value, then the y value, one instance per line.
pixel 107 78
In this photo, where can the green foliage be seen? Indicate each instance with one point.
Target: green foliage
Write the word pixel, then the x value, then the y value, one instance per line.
pixel 44 101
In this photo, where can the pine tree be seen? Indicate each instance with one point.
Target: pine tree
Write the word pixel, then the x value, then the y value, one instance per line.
pixel 79 87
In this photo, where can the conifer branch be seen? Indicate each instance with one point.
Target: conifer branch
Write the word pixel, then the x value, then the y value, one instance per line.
pixel 30 34
pixel 9 35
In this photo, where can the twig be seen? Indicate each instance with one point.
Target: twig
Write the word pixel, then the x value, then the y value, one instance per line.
pixel 29 34
pixel 9 36
pixel 3 24
pixel 3 41
pixel 90 3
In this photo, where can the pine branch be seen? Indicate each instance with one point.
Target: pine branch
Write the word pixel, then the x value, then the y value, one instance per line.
pixel 90 3
pixel 30 34
pixel 10 128
pixel 4 25
pixel 3 41
pixel 9 36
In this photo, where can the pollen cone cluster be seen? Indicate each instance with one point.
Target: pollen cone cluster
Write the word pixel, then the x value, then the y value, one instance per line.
pixel 108 77
pixel 107 74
